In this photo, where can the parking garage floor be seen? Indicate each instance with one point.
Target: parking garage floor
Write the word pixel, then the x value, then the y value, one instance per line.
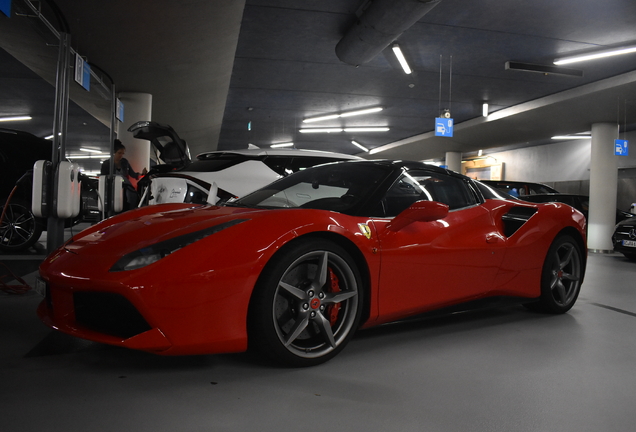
pixel 504 369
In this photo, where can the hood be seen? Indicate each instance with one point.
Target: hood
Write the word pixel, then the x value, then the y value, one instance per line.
pixel 141 228
pixel 173 150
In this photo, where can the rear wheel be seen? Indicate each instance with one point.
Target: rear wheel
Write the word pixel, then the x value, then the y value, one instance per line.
pixel 307 304
pixel 20 229
pixel 561 276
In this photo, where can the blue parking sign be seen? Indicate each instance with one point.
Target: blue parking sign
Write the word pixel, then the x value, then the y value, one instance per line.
pixel 621 147
pixel 444 127
pixel 5 7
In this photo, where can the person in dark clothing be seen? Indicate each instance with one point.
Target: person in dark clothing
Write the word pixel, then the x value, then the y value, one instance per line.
pixel 123 169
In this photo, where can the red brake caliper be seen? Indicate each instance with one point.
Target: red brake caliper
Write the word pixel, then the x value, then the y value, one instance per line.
pixel 334 309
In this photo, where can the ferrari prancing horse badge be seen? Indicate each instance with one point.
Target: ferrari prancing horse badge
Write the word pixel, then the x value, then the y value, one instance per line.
pixel 364 229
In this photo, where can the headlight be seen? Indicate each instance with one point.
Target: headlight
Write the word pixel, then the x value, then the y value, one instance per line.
pixel 150 254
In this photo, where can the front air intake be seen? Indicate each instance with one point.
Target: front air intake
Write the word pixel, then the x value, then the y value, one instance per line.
pixel 108 313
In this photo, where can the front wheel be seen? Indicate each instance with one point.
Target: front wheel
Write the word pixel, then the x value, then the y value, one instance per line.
pixel 561 276
pixel 307 304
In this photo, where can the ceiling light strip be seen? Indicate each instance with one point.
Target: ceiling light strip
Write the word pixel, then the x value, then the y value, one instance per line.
pixel 345 114
pixel 351 129
pixel 360 146
pixel 95 157
pixel 367 129
pixel 321 130
pixel 595 55
pixel 15 118
pixel 400 57
pixel 571 137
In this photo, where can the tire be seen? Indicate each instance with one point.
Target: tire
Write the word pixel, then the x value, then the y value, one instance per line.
pixel 561 276
pixel 307 304
pixel 20 229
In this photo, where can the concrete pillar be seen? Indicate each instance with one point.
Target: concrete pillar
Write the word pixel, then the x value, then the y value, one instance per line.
pixel 454 161
pixel 137 107
pixel 603 188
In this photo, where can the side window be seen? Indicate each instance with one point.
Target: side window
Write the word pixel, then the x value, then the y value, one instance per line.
pixel 404 192
pixel 415 186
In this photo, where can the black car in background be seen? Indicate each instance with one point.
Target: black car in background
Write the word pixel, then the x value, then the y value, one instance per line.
pixel 19 150
pixel 19 228
pixel 624 238
pixel 519 188
pixel 579 202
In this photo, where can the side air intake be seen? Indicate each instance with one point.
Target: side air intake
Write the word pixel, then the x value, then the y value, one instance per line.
pixel 515 218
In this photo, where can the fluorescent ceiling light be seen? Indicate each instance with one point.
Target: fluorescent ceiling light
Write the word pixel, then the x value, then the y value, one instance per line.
pixel 367 129
pixel 377 150
pixel 351 129
pixel 400 56
pixel 101 157
pixel 360 146
pixel 321 118
pixel 320 130
pixel 288 144
pixel 90 150
pixel 361 112
pixel 345 114
pixel 52 135
pixel 570 137
pixel 595 55
pixel 484 110
pixel 14 118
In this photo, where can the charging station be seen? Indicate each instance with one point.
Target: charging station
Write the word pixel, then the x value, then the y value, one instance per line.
pixel 116 192
pixel 60 198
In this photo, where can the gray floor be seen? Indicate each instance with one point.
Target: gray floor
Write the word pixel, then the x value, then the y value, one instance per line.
pixel 499 370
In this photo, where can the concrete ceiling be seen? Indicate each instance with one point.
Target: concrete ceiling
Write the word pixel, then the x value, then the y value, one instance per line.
pixel 213 67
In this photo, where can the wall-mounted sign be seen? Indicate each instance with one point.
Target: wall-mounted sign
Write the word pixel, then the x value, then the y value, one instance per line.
pixel 621 147
pixel 444 127
pixel 5 7
pixel 119 112
pixel 82 72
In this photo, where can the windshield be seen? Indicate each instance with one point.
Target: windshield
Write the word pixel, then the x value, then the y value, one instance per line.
pixel 341 187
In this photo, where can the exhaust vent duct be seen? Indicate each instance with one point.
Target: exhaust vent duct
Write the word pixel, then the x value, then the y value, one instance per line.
pixel 380 24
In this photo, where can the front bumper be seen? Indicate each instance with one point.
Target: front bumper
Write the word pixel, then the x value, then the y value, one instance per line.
pixel 168 314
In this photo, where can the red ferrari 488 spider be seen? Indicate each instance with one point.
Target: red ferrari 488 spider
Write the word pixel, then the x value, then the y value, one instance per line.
pixel 295 268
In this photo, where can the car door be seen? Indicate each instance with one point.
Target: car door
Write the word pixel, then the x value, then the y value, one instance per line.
pixel 430 264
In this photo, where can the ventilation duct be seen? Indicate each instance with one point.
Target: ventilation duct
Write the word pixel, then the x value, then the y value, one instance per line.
pixel 379 25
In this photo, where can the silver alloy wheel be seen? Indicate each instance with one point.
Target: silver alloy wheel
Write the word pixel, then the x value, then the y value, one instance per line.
pixel 565 278
pixel 315 304
pixel 19 229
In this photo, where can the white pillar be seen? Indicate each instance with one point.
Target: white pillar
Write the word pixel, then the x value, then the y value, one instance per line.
pixel 137 107
pixel 454 161
pixel 603 188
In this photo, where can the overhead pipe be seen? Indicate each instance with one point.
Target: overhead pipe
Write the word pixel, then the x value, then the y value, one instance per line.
pixel 379 25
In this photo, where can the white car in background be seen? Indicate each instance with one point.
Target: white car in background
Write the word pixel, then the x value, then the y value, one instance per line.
pixel 227 174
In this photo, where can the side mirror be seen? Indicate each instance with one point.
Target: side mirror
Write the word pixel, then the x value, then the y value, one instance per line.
pixel 419 211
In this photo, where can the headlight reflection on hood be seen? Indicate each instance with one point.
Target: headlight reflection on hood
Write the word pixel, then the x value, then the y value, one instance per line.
pixel 148 255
